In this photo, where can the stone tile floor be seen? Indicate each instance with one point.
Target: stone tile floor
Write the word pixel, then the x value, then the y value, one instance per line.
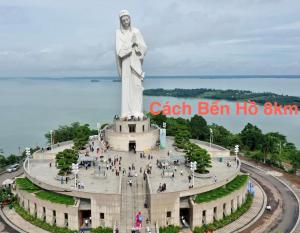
pixel 110 183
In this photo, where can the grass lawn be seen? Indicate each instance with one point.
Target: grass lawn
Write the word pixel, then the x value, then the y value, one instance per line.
pixel 28 186
pixel 232 186
pixel 55 197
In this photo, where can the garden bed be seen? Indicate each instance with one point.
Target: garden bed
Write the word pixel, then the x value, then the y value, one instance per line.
pixel 26 185
pixel 232 186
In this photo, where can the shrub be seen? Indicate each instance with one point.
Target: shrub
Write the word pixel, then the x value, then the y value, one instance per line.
pixel 169 229
pixel 102 230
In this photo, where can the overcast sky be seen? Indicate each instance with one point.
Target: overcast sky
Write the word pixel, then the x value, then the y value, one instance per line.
pixel 195 37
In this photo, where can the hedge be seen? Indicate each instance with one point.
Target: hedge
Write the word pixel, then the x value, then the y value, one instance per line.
pixel 102 230
pixel 169 229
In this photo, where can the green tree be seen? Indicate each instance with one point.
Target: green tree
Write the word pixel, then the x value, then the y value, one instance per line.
pixel 64 160
pixel 269 145
pixel 195 153
pixel 295 159
pixel 251 137
pixel 3 161
pixel 175 125
pixel 258 156
pixel 223 137
pixel 157 119
pixel 13 159
pixel 81 136
pixel 66 133
pixel 182 138
pixel 5 195
pixel 203 160
pixel 199 128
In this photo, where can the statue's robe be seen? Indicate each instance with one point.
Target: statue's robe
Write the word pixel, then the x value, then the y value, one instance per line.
pixel 129 64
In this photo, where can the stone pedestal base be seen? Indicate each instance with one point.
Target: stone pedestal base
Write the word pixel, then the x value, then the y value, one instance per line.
pixel 132 135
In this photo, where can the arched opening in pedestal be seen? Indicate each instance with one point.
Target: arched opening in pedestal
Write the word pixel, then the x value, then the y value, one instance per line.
pixel 132 146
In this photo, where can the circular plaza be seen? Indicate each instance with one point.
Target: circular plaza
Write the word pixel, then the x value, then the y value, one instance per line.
pixel 112 187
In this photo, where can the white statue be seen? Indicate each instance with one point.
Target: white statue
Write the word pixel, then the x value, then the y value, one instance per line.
pixel 130 52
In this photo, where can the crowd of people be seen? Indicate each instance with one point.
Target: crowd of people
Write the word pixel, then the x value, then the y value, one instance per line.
pixel 162 187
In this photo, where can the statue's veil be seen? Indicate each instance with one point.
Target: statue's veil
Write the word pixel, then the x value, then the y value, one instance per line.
pixel 121 14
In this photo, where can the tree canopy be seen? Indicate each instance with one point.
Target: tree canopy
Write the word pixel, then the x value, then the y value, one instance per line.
pixel 76 132
pixel 64 160
pixel 199 128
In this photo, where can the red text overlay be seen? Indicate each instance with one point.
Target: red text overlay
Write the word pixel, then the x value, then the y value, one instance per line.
pixel 216 108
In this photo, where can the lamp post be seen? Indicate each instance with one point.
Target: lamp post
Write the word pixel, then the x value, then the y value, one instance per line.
pixel 75 170
pixel 28 154
pixel 211 137
pixel 236 150
pixel 51 139
pixel 193 168
pixel 99 129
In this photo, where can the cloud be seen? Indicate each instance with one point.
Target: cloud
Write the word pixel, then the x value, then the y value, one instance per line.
pixel 70 38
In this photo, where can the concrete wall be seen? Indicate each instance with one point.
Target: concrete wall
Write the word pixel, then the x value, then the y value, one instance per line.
pixel 215 210
pixel 34 204
pixel 141 126
pixel 110 206
pixel 161 203
pixel 120 141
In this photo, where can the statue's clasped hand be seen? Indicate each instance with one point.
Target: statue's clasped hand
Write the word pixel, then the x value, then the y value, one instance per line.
pixel 134 41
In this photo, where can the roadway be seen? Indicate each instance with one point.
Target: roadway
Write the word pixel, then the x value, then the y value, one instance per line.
pixel 11 175
pixel 289 217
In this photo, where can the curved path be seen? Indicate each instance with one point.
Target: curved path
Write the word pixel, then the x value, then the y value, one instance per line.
pixel 288 219
pixel 4 227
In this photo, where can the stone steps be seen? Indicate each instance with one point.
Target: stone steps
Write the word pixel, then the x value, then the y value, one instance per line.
pixel 132 201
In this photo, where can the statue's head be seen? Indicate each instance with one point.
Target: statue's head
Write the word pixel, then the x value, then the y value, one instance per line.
pixel 125 19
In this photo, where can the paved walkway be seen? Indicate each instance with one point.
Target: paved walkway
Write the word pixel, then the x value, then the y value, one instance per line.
pixel 22 224
pixel 4 226
pixel 255 211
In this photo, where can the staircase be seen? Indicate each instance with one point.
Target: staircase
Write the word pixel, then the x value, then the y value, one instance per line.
pixel 127 206
pixel 132 201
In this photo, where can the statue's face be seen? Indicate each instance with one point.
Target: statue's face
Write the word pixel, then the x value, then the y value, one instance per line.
pixel 125 21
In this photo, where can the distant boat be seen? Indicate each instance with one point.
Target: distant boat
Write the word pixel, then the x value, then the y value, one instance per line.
pixel 94 80
pixel 116 80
